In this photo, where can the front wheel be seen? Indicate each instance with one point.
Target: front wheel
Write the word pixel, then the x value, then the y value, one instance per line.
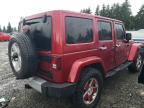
pixel 89 89
pixel 137 64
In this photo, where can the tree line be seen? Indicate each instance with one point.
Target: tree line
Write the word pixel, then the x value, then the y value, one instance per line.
pixel 121 12
pixel 8 28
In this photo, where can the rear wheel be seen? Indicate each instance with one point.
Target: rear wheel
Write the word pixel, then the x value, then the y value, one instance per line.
pixel 89 89
pixel 137 64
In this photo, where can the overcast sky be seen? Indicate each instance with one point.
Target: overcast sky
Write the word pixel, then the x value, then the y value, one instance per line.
pixel 12 10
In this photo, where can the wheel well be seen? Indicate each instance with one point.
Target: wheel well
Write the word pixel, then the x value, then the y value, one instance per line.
pixel 97 66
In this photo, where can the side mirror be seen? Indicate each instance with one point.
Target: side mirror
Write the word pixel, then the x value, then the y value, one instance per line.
pixel 128 36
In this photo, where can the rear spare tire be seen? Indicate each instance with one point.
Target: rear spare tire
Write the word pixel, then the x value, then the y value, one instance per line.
pixel 22 56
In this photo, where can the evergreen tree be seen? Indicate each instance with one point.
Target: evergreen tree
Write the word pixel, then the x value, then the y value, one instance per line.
pixel 108 11
pixel 4 29
pixel 132 23
pixel 14 29
pixel 9 28
pixel 120 12
pixel 103 11
pixel 115 11
pixel 126 14
pixel 97 12
pixel 86 10
pixel 139 19
pixel 0 29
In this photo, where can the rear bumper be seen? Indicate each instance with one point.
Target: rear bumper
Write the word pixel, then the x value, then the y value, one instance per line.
pixel 51 89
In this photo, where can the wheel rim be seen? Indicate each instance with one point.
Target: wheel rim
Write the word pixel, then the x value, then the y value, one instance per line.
pixel 16 57
pixel 139 62
pixel 90 91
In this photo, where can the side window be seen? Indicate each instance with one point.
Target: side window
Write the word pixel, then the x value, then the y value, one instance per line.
pixel 120 34
pixel 104 30
pixel 78 30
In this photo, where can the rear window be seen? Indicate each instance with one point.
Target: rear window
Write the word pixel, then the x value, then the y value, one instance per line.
pixel 78 30
pixel 41 32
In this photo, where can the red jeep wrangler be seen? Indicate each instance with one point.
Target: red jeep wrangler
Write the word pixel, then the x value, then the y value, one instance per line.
pixel 65 53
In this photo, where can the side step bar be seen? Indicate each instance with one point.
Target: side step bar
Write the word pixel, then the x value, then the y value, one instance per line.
pixel 119 68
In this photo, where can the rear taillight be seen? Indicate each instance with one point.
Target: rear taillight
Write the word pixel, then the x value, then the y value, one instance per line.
pixel 56 63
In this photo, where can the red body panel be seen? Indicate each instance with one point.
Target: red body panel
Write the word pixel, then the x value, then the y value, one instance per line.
pixel 133 51
pixel 4 37
pixel 80 64
pixel 74 57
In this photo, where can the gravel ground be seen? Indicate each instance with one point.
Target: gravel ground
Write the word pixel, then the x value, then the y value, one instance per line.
pixel 120 91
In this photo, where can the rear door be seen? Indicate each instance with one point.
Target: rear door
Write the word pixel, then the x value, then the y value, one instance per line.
pixel 121 45
pixel 106 43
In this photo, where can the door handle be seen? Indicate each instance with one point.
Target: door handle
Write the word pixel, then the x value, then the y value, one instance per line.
pixel 103 48
pixel 117 45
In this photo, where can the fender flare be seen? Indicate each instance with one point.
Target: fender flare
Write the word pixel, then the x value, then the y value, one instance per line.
pixel 133 51
pixel 80 64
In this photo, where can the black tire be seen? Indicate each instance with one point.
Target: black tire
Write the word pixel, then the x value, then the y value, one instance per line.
pixel 87 74
pixel 28 56
pixel 133 67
